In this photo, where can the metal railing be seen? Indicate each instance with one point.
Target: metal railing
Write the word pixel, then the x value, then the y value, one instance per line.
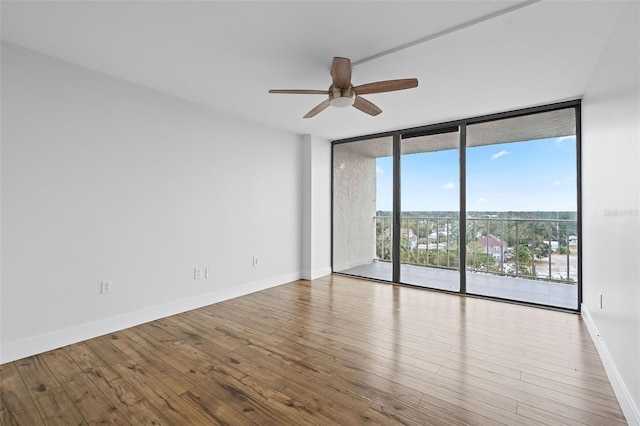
pixel 541 249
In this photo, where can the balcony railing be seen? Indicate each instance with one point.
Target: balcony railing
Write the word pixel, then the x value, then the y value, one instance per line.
pixel 541 249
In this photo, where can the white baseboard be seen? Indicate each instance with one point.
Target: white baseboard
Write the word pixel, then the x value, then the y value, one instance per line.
pixel 317 273
pixel 629 408
pixel 34 345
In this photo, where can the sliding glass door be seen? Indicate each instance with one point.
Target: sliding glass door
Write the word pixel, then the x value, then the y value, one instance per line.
pixel 486 206
pixel 429 218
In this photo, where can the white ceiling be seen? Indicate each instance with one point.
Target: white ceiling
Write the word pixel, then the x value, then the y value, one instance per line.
pixel 226 55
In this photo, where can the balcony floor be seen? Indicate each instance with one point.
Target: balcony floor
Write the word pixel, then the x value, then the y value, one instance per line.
pixel 519 289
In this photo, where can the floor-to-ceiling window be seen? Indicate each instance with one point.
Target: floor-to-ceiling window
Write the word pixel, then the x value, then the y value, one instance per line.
pixel 522 207
pixel 362 199
pixel 430 209
pixel 486 206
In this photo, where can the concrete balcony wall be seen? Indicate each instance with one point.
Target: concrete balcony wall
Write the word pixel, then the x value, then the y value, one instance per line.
pixel 354 207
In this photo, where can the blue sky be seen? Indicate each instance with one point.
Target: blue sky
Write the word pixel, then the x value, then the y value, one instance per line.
pixel 536 175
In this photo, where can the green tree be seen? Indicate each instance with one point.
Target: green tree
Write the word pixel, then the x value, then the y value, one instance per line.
pixel 524 259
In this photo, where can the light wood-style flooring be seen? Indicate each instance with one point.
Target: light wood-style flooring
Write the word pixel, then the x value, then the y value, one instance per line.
pixel 333 351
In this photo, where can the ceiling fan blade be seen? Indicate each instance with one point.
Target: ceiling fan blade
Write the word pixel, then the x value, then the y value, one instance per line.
pixel 300 92
pixel 341 72
pixel 321 107
pixel 386 86
pixel 365 106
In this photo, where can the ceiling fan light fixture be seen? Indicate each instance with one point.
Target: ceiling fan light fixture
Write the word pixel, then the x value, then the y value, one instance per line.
pixel 342 102
pixel 341 98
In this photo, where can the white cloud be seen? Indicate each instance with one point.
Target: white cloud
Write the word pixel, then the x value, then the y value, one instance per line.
pixel 481 200
pixel 570 178
pixel 379 170
pixel 499 154
pixel 449 185
pixel 565 138
pixel 556 182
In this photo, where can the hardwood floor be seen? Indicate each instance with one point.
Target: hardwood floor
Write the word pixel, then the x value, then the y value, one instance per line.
pixel 334 351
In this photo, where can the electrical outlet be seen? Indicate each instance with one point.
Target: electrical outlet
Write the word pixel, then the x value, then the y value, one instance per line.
pixel 256 261
pixel 207 273
pixel 197 273
pixel 105 287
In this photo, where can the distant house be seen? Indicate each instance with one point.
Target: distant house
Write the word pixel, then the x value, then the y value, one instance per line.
pixel 405 234
pixel 432 246
pixel 442 231
pixel 573 239
pixel 553 244
pixel 492 245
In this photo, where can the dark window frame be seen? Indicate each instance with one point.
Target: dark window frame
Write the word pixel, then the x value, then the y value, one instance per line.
pixel 461 126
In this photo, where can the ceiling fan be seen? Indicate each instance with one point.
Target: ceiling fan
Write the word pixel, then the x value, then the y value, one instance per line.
pixel 343 94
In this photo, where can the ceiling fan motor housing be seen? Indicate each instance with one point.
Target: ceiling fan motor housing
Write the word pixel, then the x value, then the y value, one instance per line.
pixel 341 98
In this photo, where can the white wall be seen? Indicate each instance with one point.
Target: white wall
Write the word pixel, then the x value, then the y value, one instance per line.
pixel 106 180
pixel 316 196
pixel 611 205
pixel 321 212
